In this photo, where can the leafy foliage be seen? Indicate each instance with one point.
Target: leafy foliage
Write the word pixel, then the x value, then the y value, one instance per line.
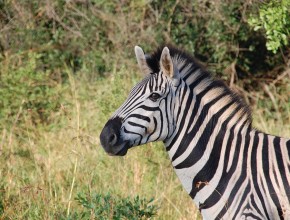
pixel 103 207
pixel 25 90
pixel 218 33
pixel 274 19
pixel 90 35
pixel 71 61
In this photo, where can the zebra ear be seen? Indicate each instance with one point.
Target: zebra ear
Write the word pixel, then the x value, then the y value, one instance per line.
pixel 141 59
pixel 167 65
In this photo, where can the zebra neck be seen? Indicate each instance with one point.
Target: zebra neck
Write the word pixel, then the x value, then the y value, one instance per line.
pixel 198 151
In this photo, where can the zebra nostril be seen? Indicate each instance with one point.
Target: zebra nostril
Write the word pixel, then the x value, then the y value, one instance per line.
pixel 110 135
pixel 112 139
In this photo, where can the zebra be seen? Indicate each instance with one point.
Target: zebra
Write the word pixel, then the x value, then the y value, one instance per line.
pixel 230 169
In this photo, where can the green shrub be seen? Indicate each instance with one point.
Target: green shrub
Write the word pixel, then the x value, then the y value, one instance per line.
pixel 103 207
pixel 87 46
pixel 274 19
pixel 91 35
pixel 26 91
pixel 218 34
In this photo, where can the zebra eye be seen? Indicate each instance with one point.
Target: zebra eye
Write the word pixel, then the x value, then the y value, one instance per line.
pixel 154 97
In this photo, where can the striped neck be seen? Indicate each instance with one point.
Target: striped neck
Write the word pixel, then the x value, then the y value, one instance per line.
pixel 204 105
pixel 207 127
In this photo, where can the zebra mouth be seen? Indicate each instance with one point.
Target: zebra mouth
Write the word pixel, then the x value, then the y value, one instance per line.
pixel 123 149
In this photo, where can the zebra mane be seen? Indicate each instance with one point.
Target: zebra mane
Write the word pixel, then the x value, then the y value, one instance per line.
pixel 154 58
pixel 188 65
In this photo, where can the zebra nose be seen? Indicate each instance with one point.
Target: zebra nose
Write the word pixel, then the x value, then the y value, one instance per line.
pixel 110 134
pixel 108 137
pixel 112 139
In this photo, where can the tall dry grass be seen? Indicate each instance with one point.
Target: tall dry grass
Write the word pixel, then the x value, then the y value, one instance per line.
pixel 44 171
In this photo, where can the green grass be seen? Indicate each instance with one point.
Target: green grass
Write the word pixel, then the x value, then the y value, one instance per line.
pixel 66 66
pixel 43 169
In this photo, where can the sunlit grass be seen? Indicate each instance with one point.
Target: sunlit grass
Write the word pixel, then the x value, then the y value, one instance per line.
pixel 43 170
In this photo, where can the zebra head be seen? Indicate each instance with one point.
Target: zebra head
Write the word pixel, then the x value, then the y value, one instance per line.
pixel 145 116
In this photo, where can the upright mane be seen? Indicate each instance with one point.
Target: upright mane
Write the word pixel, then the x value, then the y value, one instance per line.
pixel 183 58
pixel 188 67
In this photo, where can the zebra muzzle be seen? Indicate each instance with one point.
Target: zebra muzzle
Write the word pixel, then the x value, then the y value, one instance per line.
pixel 111 140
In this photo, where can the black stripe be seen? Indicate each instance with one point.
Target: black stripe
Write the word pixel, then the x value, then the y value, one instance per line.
pixel 261 185
pixel 282 169
pixel 130 107
pixel 166 86
pixel 143 91
pixel 266 170
pixel 253 203
pixel 155 127
pixel 288 147
pixel 209 170
pixel 132 132
pixel 254 167
pixel 226 176
pixel 137 125
pixel 181 100
pixel 187 138
pixel 156 81
pixel 197 80
pixel 191 70
pixel 198 151
pixel 150 109
pixel 167 108
pixel 151 83
pixel 142 117
pixel 161 121
pixel 252 216
pixel 242 200
pixel 161 82
pixel 131 99
pixel 211 200
pixel 193 113
pixel 182 122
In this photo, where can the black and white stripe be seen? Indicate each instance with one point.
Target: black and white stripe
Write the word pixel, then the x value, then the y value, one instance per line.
pixel 229 169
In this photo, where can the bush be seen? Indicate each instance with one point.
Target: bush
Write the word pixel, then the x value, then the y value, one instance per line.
pixel 91 35
pixel 274 19
pixel 218 34
pixel 29 92
pixel 103 207
pixel 80 52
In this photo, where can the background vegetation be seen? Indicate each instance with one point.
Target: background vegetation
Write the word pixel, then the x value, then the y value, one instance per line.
pixel 66 65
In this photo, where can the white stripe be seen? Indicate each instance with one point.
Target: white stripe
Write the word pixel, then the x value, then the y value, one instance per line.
pixel 193 77
pixel 286 159
pixel 282 193
pixel 197 136
pixel 214 210
pixel 208 189
pixel 188 116
pixel 210 95
pixel 238 199
pixel 231 157
pixel 273 214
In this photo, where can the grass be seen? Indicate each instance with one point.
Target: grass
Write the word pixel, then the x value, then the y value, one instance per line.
pixel 45 168
pixel 56 95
